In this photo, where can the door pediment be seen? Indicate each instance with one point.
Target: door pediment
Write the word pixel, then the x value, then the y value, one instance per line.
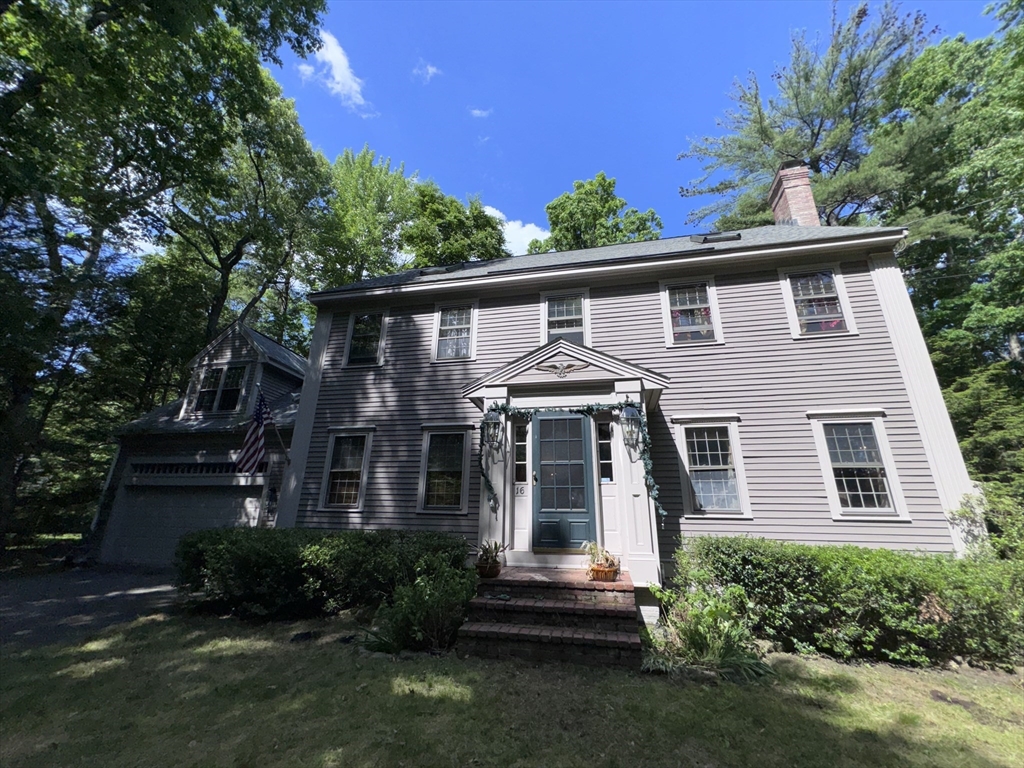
pixel 562 363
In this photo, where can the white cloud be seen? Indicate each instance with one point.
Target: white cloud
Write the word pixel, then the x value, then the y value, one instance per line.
pixel 335 74
pixel 426 71
pixel 480 112
pixel 517 234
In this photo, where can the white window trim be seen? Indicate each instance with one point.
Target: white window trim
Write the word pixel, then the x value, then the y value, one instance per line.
pixel 712 420
pixel 380 346
pixel 475 308
pixel 192 395
pixel 899 512
pixel 333 434
pixel 666 312
pixel 790 301
pixel 437 429
pixel 545 295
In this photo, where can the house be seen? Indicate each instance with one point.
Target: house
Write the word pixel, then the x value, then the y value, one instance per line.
pixel 780 371
pixel 768 382
pixel 175 470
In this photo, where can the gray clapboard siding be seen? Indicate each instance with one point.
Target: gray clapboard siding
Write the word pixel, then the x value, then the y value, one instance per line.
pixel 275 383
pixel 761 372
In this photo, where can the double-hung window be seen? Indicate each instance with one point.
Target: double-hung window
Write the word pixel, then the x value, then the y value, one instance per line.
pixel 564 316
pixel 856 461
pixel 712 466
pixel 455 332
pixel 366 338
pixel 816 302
pixel 444 470
pixel 690 310
pixel 219 390
pixel 345 478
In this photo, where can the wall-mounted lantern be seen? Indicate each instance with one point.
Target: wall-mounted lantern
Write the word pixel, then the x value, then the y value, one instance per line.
pixel 630 421
pixel 491 430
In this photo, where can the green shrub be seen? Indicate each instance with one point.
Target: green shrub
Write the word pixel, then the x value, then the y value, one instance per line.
pixel 706 628
pixel 426 614
pixel 852 602
pixel 297 572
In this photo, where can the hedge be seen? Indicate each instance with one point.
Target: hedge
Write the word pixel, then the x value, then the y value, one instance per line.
pixel 852 602
pixel 295 573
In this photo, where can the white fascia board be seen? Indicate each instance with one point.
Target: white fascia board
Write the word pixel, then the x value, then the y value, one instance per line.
pixel 542 276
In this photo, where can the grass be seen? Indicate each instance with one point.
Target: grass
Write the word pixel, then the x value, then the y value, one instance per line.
pixel 199 691
pixel 36 553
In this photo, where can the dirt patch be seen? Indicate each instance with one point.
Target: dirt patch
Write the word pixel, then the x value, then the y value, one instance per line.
pixel 976 711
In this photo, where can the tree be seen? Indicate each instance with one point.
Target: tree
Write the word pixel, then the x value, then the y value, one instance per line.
pixel 360 237
pixel 104 108
pixel 445 232
pixel 825 111
pixel 592 215
pixel 261 207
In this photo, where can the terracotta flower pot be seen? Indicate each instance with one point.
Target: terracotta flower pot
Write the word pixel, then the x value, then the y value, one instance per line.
pixel 603 573
pixel 488 570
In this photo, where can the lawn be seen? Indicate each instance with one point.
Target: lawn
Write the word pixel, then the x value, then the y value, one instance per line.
pixel 198 691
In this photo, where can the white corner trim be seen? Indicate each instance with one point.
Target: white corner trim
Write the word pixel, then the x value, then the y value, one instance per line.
pixel 474 321
pixel 940 444
pixel 545 295
pixel 899 511
pixel 666 311
pixel 291 486
pixel 790 301
pixel 686 418
pixel 866 412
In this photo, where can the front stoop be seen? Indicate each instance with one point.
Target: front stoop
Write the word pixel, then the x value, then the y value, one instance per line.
pixel 550 615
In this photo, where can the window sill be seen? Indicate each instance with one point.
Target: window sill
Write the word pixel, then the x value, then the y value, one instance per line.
pixel 718 516
pixel 695 345
pixel 449 511
pixel 889 517
pixel 339 509
pixel 448 360
pixel 829 335
pixel 364 365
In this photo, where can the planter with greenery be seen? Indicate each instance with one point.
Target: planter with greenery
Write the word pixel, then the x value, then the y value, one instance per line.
pixel 489 559
pixel 603 565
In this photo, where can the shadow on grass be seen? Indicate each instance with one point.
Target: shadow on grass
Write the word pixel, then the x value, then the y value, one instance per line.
pixel 186 690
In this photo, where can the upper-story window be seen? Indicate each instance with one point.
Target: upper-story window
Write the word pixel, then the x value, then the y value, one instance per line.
pixel 455 332
pixel 366 338
pixel 220 389
pixel 816 302
pixel 564 315
pixel 690 312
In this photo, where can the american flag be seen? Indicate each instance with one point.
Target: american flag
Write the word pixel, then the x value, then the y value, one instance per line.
pixel 254 449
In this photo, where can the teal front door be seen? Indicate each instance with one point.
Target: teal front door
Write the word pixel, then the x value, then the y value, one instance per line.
pixel 563 488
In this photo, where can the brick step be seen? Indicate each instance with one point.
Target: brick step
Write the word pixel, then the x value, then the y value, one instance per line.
pixel 544 643
pixel 609 617
pixel 616 592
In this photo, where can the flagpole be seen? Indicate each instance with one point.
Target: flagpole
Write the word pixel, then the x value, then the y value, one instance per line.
pixel 287 458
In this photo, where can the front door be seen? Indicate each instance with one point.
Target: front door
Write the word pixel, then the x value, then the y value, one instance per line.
pixel 563 488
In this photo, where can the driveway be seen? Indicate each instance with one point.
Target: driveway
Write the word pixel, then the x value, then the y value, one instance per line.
pixel 68 606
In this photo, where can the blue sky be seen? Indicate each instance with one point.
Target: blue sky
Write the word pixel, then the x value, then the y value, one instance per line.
pixel 513 101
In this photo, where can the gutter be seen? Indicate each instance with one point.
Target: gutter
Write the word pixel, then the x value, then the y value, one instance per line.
pixel 708 255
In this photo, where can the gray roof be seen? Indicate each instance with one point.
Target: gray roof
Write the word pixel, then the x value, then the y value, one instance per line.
pixel 165 419
pixel 757 237
pixel 278 354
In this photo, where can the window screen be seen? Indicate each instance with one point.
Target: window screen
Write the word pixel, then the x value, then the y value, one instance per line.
pixel 857 466
pixel 817 302
pixel 454 332
pixel 365 343
pixel 444 470
pixel 565 318
pixel 346 474
pixel 690 310
pixel 711 468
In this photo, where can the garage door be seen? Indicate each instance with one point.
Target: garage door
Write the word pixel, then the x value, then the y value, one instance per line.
pixel 147 521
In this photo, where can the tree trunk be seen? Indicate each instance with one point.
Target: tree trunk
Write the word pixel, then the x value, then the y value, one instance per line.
pixel 217 308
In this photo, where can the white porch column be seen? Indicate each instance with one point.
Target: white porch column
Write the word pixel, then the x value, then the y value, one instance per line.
pixel 494 520
pixel 641 545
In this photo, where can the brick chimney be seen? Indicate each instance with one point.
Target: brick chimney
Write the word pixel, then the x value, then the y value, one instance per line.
pixel 791 198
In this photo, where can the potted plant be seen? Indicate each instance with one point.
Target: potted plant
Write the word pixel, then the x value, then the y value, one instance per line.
pixel 488 559
pixel 604 566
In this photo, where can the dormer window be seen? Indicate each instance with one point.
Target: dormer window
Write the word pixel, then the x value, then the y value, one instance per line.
pixel 220 389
